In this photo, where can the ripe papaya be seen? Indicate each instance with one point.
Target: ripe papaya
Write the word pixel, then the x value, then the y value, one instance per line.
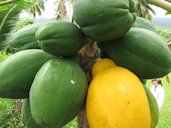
pixel 104 20
pixel 101 65
pixel 141 51
pixel 58 93
pixel 60 38
pixel 154 110
pixel 114 98
pixel 27 118
pixel 17 72
pixel 24 38
pixel 143 23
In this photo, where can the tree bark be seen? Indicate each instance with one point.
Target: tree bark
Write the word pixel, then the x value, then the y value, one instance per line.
pixel 17 108
pixel 89 55
pixel 82 120
pixel 161 3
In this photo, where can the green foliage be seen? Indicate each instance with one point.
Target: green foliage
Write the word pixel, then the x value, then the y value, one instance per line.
pixel 167 13
pixel 8 118
pixel 164 31
pixel 9 14
pixel 143 9
pixel 4 105
pixel 35 6
pixel 3 56
pixel 72 124
pixel 10 10
pixel 19 24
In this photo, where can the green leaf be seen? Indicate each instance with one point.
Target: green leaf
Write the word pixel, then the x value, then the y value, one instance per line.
pixel 167 13
pixel 7 2
pixel 7 19
pixel 35 6
pixel 8 10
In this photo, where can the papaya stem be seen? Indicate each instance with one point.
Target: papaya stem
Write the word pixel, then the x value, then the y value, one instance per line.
pixel 161 3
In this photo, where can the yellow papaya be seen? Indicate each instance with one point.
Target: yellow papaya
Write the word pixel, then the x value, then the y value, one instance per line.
pixel 116 99
pixel 102 64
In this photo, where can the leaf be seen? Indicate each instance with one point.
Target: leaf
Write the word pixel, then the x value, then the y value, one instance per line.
pixel 38 10
pixel 143 9
pixel 36 6
pixel 6 2
pixel 7 20
pixel 7 12
pixel 167 13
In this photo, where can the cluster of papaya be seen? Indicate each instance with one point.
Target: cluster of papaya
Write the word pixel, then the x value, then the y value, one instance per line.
pixel 45 71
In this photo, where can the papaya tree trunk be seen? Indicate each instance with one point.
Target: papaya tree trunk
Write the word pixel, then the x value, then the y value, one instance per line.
pixel 82 120
pixel 89 55
pixel 161 3
pixel 17 108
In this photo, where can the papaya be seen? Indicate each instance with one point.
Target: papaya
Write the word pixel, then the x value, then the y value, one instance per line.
pixel 75 59
pixel 141 51
pixel 17 72
pixel 27 118
pixel 143 81
pixel 60 38
pixel 58 93
pixel 24 38
pixel 104 20
pixel 154 110
pixel 143 23
pixel 116 98
pixel 102 64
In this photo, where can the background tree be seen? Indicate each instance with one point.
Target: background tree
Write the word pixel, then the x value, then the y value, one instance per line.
pixel 144 10
pixel 10 10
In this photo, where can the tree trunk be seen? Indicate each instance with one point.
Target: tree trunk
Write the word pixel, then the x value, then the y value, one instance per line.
pixel 82 120
pixel 89 55
pixel 17 108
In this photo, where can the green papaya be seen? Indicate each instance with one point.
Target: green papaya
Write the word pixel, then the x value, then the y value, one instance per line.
pixel 58 93
pixel 27 118
pixel 104 20
pixel 143 81
pixel 17 72
pixel 154 110
pixel 24 38
pixel 60 38
pixel 141 51
pixel 143 23
pixel 75 59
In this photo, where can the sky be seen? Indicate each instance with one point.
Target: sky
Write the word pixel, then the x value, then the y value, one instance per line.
pixel 160 12
pixel 49 10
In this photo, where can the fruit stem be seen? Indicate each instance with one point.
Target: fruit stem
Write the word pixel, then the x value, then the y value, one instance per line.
pixel 161 3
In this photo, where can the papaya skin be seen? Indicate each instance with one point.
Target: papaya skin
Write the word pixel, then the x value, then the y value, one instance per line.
pixel 114 98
